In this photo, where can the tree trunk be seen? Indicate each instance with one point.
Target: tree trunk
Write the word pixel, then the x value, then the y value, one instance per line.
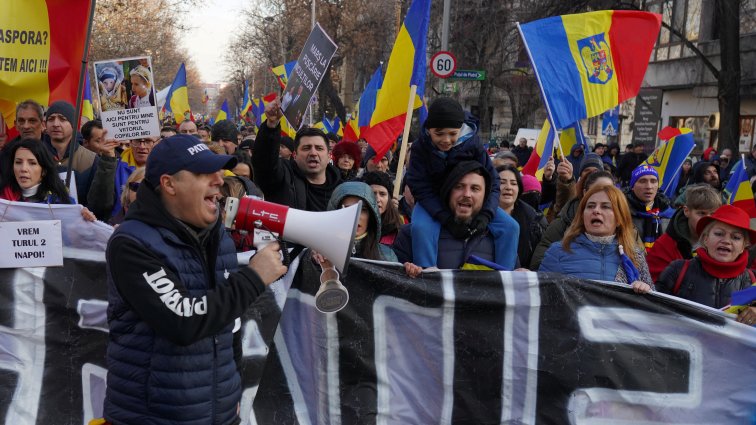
pixel 333 96
pixel 729 78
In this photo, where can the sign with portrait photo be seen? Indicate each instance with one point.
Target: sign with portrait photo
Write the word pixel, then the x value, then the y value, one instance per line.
pixel 126 90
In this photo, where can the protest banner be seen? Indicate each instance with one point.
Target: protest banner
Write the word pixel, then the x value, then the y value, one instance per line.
pixel 42 44
pixel 446 347
pixel 127 98
pixel 31 244
pixel 307 74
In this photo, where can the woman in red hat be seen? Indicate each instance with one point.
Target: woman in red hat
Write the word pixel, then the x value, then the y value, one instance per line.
pixel 347 158
pixel 720 267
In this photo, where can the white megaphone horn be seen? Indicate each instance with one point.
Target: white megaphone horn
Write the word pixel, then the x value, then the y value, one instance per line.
pixel 330 233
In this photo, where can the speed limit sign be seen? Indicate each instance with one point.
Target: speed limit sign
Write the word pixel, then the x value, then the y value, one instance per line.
pixel 443 64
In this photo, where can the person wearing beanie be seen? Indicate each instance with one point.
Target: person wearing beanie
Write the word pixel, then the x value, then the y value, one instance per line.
pixel 94 174
pixel 531 191
pixel 225 133
pixel 369 162
pixel 449 137
pixel 465 192
pixel 720 266
pixel 287 147
pixel 347 156
pixel 651 210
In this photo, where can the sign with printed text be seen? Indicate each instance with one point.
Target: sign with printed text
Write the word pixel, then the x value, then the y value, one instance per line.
pixel 443 64
pixel 31 244
pixel 307 74
pixel 469 74
pixel 127 103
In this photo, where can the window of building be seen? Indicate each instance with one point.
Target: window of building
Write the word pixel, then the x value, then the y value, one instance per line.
pixel 682 15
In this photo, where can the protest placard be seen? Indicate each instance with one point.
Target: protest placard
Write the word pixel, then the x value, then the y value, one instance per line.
pixel 31 244
pixel 127 98
pixel 307 74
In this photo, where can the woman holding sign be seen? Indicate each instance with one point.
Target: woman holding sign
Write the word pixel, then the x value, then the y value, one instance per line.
pixel 29 175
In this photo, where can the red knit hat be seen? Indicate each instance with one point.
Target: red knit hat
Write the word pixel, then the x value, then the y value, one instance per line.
pixel 349 148
pixel 731 215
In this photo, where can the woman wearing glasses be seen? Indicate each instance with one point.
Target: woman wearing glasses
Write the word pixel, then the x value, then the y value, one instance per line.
pixel 128 195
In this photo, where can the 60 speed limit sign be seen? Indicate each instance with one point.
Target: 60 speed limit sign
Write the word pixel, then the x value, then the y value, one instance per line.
pixel 443 64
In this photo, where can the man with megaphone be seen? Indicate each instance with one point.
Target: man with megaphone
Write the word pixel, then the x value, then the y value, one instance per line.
pixel 174 293
pixel 307 180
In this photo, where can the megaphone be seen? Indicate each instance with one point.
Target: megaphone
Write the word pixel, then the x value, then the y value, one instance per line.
pixel 331 233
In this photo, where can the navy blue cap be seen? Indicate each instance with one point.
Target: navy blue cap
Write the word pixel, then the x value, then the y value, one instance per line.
pixel 184 152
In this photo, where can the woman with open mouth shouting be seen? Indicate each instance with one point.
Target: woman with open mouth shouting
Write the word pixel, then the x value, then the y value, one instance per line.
pixel 592 247
pixel 720 265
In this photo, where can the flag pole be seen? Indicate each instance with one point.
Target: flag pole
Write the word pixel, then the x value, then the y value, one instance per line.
pixel 543 93
pixel 77 118
pixel 405 141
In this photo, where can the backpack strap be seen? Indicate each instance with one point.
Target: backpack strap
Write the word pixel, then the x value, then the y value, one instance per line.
pixel 680 277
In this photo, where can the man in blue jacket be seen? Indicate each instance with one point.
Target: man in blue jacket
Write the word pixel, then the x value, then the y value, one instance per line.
pixel 174 293
pixel 465 192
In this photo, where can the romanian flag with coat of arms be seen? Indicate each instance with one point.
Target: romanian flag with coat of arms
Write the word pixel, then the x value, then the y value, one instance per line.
pixel 406 67
pixel 590 62
pixel 42 43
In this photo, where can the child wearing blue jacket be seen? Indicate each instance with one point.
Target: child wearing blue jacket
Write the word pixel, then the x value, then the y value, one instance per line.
pixel 449 137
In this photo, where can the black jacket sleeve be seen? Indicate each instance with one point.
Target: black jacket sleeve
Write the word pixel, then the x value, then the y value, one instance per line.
pixel 266 164
pixel 159 298
pixel 101 195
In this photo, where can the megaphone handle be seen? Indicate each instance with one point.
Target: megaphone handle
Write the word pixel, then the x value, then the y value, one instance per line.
pixel 285 251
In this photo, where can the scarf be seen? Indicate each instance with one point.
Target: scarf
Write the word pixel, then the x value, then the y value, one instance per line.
pixel 722 270
pixel 10 194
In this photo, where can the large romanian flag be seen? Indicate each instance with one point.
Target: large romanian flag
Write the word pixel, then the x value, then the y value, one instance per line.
pixel 406 67
pixel 590 62
pixel 177 100
pixel 42 44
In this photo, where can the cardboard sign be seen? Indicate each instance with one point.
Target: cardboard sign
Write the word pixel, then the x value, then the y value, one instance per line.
pixel 306 76
pixel 127 103
pixel 31 244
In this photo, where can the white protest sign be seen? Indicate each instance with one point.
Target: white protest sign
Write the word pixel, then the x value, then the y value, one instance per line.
pixel 127 98
pixel 31 244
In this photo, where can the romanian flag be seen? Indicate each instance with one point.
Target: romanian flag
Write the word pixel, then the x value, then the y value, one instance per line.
pixel 177 100
pixel 590 62
pixel 86 100
pixel 246 101
pixel 351 131
pixel 543 150
pixel 363 112
pixel 476 263
pixel 668 158
pixel 42 44
pixel 406 67
pixel 205 97
pixel 738 190
pixel 282 73
pixel 223 113
pixel 571 135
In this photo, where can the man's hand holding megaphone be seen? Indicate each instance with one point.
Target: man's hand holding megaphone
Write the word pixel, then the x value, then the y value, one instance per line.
pixel 267 263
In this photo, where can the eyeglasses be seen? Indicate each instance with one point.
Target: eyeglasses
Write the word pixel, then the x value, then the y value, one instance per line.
pixel 133 186
pixel 143 142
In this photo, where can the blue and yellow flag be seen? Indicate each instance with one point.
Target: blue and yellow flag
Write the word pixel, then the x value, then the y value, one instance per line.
pixel 571 135
pixel 668 159
pixel 223 113
pixel 330 126
pixel 86 97
pixel 246 101
pixel 476 263
pixel 590 62
pixel 177 100
pixel 738 190
pixel 282 73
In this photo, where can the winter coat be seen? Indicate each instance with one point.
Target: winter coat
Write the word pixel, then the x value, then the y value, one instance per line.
pixel 173 296
pixel 452 252
pixel 650 226
pixel 429 167
pixel 522 154
pixel 699 286
pixel 554 232
pixel 282 181
pixel 575 161
pixel 591 260
pixel 363 191
pixel 673 245
pixel 532 225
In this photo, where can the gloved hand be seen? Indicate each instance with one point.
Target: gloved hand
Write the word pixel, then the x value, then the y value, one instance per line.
pixel 458 230
pixel 479 224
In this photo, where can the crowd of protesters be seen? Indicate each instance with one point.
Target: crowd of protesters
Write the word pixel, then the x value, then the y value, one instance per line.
pixel 595 214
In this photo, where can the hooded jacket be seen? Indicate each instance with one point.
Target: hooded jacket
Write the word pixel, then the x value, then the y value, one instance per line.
pixel 282 181
pixel 673 245
pixel 575 161
pixel 365 193
pixel 173 295
pixel 428 168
